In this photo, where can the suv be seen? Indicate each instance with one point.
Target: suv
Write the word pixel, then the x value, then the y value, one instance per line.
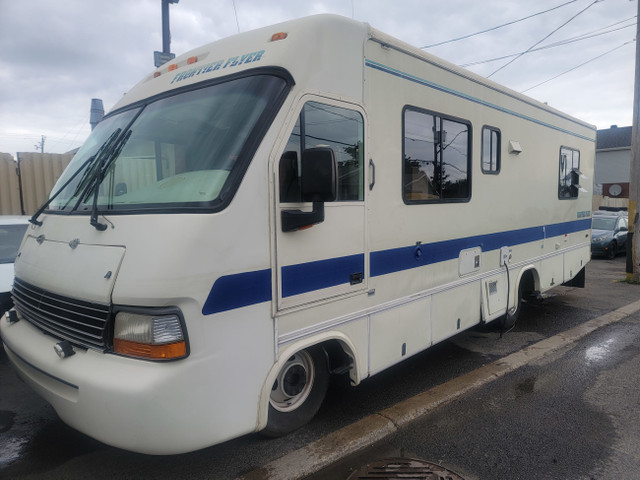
pixel 608 233
pixel 12 229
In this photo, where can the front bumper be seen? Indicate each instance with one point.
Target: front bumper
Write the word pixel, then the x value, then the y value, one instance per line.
pixel 600 249
pixel 141 406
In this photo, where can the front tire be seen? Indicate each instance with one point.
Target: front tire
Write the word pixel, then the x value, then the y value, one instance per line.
pixel 613 249
pixel 297 392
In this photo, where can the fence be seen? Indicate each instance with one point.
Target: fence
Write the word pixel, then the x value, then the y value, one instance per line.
pixel 600 201
pixel 25 184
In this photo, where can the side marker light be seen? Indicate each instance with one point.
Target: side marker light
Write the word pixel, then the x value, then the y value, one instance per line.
pixel 278 36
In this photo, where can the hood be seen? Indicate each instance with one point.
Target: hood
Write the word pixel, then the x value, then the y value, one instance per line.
pixel 73 269
pixel 600 233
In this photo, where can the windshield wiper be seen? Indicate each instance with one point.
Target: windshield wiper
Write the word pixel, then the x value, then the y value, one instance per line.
pixel 34 218
pixel 110 155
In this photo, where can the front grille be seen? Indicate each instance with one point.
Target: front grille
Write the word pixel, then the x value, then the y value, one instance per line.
pixel 82 323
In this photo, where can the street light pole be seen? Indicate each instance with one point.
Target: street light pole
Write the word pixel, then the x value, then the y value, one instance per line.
pixel 160 58
pixel 634 174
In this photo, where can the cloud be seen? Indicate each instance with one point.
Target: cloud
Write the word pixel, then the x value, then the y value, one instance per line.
pixel 58 55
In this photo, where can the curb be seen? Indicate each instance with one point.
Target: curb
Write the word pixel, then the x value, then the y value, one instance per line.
pixel 374 428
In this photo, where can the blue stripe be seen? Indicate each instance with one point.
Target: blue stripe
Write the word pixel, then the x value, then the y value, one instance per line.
pixel 441 88
pixel 239 290
pixel 307 277
pixel 405 258
pixel 249 288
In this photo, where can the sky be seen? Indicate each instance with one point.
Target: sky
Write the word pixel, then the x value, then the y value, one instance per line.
pixel 56 55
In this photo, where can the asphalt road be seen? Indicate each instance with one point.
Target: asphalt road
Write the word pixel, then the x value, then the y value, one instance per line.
pixel 35 444
pixel 573 414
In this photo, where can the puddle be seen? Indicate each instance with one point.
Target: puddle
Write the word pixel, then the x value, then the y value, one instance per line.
pixel 6 420
pixel 11 450
pixel 525 387
pixel 597 353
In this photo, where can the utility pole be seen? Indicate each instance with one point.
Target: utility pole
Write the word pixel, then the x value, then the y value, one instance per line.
pixel 634 174
pixel 40 146
pixel 160 58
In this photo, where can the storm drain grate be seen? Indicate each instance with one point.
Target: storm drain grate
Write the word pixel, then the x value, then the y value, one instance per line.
pixel 403 468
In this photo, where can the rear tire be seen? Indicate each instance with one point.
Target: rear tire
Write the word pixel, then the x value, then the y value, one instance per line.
pixel 298 392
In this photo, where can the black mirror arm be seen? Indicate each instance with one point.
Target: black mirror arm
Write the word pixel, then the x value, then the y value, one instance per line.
pixel 293 220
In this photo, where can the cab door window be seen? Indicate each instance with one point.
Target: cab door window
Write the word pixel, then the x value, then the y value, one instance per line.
pixel 323 125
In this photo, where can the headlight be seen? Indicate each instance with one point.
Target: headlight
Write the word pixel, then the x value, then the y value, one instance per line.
pixel 150 336
pixel 600 239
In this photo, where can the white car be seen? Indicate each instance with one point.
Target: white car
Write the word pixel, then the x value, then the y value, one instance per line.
pixel 12 229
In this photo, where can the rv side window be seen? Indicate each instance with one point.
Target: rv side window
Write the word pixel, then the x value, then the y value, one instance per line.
pixel 568 185
pixel 436 158
pixel 490 150
pixel 321 125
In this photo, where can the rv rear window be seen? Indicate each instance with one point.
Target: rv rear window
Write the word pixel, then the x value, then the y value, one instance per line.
pixel 490 150
pixel 568 184
pixel 436 158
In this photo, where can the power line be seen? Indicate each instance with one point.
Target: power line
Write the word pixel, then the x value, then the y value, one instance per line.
pixel 609 26
pixel 578 66
pixel 561 43
pixel 497 27
pixel 543 39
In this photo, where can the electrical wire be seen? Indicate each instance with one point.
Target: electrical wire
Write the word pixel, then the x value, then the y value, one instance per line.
pixel 547 36
pixel 578 66
pixel 236 13
pixel 496 27
pixel 560 43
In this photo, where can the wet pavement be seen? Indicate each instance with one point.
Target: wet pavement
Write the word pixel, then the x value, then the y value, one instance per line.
pixel 571 415
pixel 34 443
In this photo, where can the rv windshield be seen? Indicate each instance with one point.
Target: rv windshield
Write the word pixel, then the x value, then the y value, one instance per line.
pixel 184 151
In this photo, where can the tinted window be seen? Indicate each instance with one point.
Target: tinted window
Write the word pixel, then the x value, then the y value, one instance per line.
pixel 185 150
pixel 436 158
pixel 10 239
pixel 322 125
pixel 568 184
pixel 490 150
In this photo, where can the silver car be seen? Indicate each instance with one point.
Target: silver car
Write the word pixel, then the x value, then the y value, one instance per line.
pixel 12 229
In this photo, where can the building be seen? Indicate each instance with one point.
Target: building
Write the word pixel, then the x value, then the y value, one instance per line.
pixel 613 157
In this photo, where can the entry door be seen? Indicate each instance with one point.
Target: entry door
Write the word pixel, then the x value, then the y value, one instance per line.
pixel 328 259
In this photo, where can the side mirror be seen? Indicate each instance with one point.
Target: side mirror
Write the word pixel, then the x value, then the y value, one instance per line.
pixel 319 179
pixel 318 184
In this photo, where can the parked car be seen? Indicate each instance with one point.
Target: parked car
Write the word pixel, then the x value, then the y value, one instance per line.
pixel 609 233
pixel 12 229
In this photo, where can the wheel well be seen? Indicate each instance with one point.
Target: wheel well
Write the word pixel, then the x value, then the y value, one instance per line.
pixel 339 360
pixel 528 282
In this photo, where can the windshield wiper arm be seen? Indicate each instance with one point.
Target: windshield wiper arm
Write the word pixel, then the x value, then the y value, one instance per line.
pixel 104 149
pixel 111 154
pixel 34 218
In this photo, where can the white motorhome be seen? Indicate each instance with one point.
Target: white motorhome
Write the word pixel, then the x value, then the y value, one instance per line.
pixel 302 200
